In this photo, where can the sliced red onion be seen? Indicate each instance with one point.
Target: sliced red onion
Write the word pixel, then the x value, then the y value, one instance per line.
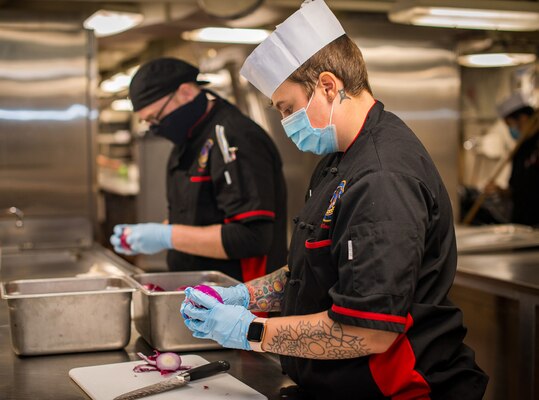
pixel 168 361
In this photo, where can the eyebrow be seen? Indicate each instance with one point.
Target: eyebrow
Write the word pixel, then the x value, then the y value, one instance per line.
pixel 278 105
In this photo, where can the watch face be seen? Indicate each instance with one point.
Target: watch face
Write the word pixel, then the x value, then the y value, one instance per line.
pixel 255 332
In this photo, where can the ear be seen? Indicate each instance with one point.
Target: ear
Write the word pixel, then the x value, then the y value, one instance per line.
pixel 329 83
pixel 186 92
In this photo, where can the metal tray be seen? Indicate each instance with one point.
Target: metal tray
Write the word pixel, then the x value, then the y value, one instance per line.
pixel 157 314
pixel 68 315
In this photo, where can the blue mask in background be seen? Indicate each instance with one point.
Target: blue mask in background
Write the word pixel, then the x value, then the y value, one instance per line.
pixel 315 140
pixel 515 132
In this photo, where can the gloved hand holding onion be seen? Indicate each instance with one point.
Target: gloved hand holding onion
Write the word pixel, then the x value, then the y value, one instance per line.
pixel 209 318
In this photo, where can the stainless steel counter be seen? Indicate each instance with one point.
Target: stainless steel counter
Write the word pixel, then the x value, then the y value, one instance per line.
pixel 46 377
pixel 499 295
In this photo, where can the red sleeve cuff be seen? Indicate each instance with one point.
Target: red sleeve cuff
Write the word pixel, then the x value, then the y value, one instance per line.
pixel 265 214
pixel 368 315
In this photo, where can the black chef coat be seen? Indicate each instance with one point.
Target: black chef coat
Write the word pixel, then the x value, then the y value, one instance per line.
pixel 375 245
pixel 199 195
pixel 524 182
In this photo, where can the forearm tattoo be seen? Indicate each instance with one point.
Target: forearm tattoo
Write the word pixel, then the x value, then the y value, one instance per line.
pixel 320 341
pixel 266 292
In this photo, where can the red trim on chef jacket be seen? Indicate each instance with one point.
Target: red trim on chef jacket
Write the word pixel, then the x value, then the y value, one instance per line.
pixel 249 214
pixel 368 315
pixel 190 131
pixel 394 371
pixel 362 125
pixel 202 178
pixel 252 268
pixel 317 245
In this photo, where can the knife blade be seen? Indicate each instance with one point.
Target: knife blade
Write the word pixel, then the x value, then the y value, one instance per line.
pixel 178 381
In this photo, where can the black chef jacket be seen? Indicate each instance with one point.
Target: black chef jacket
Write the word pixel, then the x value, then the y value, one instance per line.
pixel 375 245
pixel 199 194
pixel 524 182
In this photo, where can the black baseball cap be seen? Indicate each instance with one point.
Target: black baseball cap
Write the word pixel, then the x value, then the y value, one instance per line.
pixel 160 77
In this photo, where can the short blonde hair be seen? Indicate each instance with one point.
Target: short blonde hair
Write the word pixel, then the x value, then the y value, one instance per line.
pixel 341 57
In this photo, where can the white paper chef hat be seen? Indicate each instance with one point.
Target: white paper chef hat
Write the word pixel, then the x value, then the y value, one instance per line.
pixel 510 104
pixel 292 43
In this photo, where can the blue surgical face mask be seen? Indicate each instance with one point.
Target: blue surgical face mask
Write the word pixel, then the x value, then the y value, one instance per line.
pixel 315 140
pixel 515 132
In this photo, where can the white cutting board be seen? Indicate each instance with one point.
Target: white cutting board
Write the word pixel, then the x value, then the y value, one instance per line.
pixel 104 382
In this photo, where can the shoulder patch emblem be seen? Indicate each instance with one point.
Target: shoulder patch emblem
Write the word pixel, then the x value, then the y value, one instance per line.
pixel 204 154
pixel 336 195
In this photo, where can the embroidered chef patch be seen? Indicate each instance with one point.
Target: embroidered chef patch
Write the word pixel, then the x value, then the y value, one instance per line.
pixel 329 212
pixel 204 154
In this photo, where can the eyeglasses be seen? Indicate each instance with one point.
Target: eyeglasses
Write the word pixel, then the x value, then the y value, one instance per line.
pixel 154 121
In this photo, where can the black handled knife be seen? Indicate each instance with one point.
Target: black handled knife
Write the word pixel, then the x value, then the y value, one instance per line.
pixel 178 381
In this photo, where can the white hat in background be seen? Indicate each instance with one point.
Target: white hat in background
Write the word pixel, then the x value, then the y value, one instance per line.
pixel 292 43
pixel 510 104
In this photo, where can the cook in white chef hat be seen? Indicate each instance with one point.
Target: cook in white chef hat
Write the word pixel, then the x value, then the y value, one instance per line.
pixel 292 43
pixel 310 48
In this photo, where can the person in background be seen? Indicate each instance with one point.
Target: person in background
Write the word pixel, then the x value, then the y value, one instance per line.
pixel 225 187
pixel 523 187
pixel 363 300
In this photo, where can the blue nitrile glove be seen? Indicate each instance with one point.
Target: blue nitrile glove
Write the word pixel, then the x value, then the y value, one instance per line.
pixel 234 295
pixel 226 324
pixel 143 238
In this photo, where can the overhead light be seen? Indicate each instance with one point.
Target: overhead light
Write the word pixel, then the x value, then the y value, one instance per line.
pixel 121 105
pixel 495 59
pixel 494 52
pixel 227 35
pixel 219 79
pixel 116 83
pixel 119 81
pixel 106 23
pixel 468 14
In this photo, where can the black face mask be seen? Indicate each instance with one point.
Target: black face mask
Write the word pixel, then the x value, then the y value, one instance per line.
pixel 177 125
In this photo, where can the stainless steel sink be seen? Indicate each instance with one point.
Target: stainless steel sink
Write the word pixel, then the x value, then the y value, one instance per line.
pixel 57 263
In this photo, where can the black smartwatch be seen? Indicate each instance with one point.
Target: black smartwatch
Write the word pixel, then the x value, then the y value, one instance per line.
pixel 256 332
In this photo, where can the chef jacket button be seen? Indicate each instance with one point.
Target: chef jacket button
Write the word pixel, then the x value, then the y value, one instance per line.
pixel 334 170
pixel 295 219
pixel 302 225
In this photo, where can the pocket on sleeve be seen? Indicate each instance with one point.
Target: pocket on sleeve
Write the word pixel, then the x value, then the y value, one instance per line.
pixel 386 258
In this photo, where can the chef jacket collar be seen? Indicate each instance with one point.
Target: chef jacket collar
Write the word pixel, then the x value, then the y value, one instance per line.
pixel 372 119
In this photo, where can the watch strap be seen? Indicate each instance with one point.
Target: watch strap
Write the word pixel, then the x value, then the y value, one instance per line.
pixel 257 346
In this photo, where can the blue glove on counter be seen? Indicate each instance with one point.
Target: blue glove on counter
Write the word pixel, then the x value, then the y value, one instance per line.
pixel 142 238
pixel 226 324
pixel 235 295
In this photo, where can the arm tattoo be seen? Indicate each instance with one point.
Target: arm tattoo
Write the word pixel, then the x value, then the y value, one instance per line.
pixel 266 292
pixel 320 341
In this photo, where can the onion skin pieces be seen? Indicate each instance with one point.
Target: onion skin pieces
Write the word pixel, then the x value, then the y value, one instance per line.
pixel 153 288
pixel 165 363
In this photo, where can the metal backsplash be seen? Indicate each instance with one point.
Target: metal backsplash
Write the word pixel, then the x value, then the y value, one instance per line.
pixel 47 131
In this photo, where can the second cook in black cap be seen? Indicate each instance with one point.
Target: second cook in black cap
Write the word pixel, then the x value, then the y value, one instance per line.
pixel 226 211
pixel 159 78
